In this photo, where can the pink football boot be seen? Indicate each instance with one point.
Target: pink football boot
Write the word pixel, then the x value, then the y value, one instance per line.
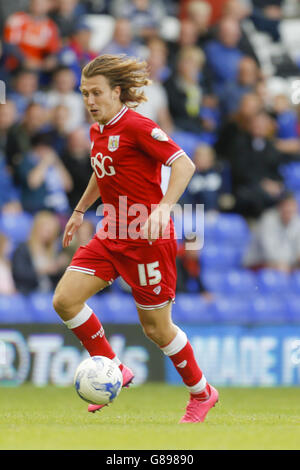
pixel 197 410
pixel 127 380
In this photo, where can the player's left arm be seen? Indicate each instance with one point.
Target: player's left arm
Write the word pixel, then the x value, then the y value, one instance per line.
pixel 182 169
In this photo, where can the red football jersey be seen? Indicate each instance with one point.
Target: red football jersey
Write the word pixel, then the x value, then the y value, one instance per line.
pixel 127 154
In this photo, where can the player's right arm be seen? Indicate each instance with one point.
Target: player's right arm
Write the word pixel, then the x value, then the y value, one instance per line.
pixel 90 195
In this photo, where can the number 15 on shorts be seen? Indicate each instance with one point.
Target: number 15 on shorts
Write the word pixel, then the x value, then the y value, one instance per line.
pixel 149 274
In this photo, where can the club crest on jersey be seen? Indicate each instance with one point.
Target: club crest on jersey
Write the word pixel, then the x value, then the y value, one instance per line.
pixel 113 143
pixel 159 134
pixel 157 290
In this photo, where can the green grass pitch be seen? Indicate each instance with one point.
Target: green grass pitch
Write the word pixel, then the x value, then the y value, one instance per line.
pixel 146 417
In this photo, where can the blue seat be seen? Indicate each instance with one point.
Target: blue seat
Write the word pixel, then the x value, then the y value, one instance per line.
pixel 42 308
pixel 232 310
pixel 293 305
pixel 218 256
pixel 15 309
pixel 232 228
pixel 270 281
pixel 119 308
pixel 295 282
pixel 291 175
pixel 16 226
pixel 187 141
pixel 192 308
pixel 213 280
pixel 269 309
pixel 232 282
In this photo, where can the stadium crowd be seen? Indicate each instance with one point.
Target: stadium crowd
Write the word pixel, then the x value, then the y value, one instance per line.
pixel 222 87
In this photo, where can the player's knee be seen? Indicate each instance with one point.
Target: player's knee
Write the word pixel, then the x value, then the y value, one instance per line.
pixel 61 302
pixel 154 333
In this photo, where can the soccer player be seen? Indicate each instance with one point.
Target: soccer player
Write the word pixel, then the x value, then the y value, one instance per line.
pixel 127 153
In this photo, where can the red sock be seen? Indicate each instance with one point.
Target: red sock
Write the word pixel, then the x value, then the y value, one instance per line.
pixel 181 353
pixel 88 329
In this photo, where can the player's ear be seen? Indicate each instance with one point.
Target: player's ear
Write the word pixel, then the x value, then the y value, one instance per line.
pixel 117 92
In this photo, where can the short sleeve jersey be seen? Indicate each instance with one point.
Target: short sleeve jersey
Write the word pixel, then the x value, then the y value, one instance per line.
pixel 127 154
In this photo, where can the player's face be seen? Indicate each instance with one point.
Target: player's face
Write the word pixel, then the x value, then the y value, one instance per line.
pixel 101 101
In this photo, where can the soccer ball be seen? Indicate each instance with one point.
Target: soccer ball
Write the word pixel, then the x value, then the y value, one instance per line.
pixel 98 380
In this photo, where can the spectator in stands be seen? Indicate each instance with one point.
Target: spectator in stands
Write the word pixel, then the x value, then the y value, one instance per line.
pixel 223 54
pixel 77 53
pixel 276 238
pixel 76 159
pixel 35 34
pixel 188 36
pixel 189 271
pixel 38 264
pixel 237 124
pixel 185 91
pixel 98 7
pixel 266 16
pixel 122 41
pixel 43 179
pixel 156 108
pixel 257 182
pixel 67 14
pixel 9 198
pixel 11 59
pixel 25 90
pixel 20 134
pixel 8 117
pixel 287 138
pixel 247 79
pixel 63 92
pixel 199 13
pixel 236 9
pixel 57 134
pixel 7 285
pixel 208 183
pixel 145 16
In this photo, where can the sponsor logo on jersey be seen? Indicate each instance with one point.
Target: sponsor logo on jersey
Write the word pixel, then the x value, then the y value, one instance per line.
pixel 100 167
pixel 158 134
pixel 113 143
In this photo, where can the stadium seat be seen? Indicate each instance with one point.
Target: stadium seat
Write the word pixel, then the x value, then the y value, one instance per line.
pixel 102 27
pixel 295 282
pixel 232 228
pixel 233 282
pixel 220 256
pixel 293 306
pixel 289 33
pixel 192 308
pixel 232 310
pixel 187 141
pixel 15 309
pixel 42 309
pixel 270 309
pixel 170 28
pixel 291 176
pixel 270 281
pixel 119 308
pixel 16 226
